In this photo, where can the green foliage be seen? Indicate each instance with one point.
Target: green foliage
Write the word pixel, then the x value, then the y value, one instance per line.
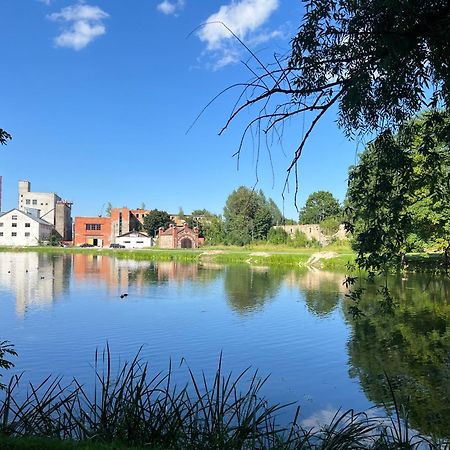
pixel 6 350
pixel 299 240
pixel 55 239
pixel 319 206
pixel 399 193
pixel 330 226
pixel 214 230
pixel 277 216
pixel 277 236
pixel 202 212
pixel 132 407
pixel 4 137
pixel 380 62
pixel 108 209
pixel 155 219
pixel 249 216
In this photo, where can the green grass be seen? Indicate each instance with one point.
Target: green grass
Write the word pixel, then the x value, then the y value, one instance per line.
pixel 257 255
pixel 39 443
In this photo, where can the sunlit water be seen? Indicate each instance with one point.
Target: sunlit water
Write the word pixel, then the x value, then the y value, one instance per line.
pixel 293 325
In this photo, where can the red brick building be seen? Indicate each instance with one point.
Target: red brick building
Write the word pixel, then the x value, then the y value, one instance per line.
pixel 93 230
pixel 124 220
pixel 178 237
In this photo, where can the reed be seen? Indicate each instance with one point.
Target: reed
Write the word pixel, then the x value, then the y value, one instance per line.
pixel 129 407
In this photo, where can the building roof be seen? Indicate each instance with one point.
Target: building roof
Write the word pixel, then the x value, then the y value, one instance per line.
pixel 178 229
pixel 29 216
pixel 134 234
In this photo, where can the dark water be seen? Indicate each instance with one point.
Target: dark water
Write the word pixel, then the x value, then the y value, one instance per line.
pixel 293 325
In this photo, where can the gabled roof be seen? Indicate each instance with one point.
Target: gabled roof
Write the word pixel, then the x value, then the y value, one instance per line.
pixel 178 229
pixel 28 216
pixel 134 234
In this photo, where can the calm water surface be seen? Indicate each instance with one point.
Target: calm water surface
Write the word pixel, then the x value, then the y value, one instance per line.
pixel 58 309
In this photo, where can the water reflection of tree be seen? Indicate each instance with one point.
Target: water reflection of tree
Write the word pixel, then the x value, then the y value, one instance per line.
pixel 163 272
pixel 411 344
pixel 248 289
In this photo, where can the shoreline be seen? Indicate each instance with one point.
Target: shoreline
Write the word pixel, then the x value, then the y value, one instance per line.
pixel 326 258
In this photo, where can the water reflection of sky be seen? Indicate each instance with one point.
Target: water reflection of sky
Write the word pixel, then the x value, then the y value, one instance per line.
pixel 58 309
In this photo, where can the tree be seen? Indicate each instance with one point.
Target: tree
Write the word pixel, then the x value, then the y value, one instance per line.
pixel 399 193
pixel 154 220
pixel 277 216
pixel 277 236
pixel 248 216
pixel 6 350
pixel 202 212
pixel 214 230
pixel 378 62
pixel 319 206
pixel 4 137
pixel 108 209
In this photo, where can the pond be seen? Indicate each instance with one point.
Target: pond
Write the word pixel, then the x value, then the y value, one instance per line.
pixel 292 324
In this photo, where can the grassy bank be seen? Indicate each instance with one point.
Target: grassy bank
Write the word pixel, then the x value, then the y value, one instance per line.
pixel 332 258
pixel 255 255
pixel 132 409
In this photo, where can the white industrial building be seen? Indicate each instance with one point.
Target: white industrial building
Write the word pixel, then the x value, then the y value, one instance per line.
pixel 135 239
pixel 48 206
pixel 19 228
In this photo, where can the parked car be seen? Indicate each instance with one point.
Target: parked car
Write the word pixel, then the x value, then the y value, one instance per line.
pixel 86 245
pixel 117 246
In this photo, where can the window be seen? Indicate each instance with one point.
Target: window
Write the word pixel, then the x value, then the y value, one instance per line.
pixel 93 226
pixel 14 225
pixel 13 234
pixel 139 242
pixel 1 224
pixel 34 202
pixel 27 234
pixel 137 215
pixel 1 233
pixel 27 225
pixel 14 217
pixel 127 242
pixel 27 201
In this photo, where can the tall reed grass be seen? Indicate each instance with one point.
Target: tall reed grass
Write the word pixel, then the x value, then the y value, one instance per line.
pixel 131 406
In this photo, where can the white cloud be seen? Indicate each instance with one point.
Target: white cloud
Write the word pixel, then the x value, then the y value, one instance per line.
pixel 245 19
pixel 242 17
pixel 81 24
pixel 167 7
pixel 46 2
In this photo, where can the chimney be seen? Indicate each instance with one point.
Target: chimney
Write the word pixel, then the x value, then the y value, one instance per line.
pixel 24 187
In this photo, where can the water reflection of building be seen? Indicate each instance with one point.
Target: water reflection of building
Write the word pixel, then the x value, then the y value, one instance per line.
pixel 321 290
pixel 315 280
pixel 35 278
pixel 173 271
pixel 117 274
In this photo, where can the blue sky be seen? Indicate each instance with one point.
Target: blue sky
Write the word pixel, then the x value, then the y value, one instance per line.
pixel 99 95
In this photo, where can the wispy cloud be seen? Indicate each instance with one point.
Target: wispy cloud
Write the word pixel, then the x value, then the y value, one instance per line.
pixel 46 2
pixel 170 7
pixel 244 18
pixel 81 24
